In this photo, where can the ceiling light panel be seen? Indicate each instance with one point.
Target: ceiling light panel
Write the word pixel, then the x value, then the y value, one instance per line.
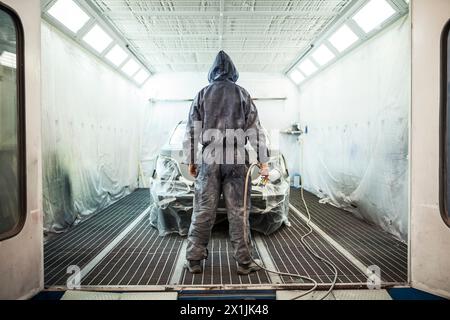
pixel 116 55
pixel 343 38
pixel 69 14
pixel 97 38
pixel 297 77
pixel 373 14
pixel 130 68
pixel 307 67
pixel 323 55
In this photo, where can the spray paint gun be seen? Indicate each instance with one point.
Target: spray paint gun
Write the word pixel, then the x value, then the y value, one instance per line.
pixel 268 175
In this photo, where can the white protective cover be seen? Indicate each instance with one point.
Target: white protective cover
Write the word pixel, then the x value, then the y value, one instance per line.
pixel 91 132
pixel 357 113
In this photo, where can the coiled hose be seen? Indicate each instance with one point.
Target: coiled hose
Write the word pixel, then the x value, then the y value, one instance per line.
pixel 314 284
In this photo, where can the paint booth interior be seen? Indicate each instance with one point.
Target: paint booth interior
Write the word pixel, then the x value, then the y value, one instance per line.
pixel 332 90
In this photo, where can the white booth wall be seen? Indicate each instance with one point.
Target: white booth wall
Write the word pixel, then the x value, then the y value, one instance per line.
pixel 355 153
pixel 170 94
pixel 92 120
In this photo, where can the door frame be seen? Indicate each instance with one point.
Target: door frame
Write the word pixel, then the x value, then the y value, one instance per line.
pixel 429 234
pixel 21 256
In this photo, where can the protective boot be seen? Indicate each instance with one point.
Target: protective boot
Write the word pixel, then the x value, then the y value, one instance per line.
pixel 246 269
pixel 194 266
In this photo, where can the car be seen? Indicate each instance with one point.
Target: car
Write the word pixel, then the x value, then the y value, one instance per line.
pixel 172 191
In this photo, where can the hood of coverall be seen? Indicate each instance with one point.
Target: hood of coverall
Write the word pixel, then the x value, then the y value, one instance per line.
pixel 223 68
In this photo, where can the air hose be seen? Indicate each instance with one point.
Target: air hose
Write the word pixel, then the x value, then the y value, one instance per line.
pixel 247 236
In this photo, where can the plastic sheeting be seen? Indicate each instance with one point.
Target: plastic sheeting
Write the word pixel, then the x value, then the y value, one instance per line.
pixel 91 132
pixel 172 195
pixel 357 112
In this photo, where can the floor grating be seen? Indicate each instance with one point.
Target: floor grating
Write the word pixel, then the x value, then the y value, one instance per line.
pixel 142 258
pixel 369 244
pixel 83 242
pixel 290 256
pixel 221 268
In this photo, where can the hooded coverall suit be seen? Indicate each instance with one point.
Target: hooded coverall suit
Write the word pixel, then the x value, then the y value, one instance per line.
pixel 222 105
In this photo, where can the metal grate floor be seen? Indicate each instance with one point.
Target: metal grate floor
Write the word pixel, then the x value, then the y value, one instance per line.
pixel 79 245
pixel 118 248
pixel 368 243
pixel 220 268
pixel 289 255
pixel 143 258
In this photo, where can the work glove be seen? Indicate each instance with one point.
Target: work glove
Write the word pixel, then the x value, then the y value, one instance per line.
pixel 264 170
pixel 193 170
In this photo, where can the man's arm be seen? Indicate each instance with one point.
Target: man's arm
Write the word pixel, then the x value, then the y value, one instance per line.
pixel 257 136
pixel 191 136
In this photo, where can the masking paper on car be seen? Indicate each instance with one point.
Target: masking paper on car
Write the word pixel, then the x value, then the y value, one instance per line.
pixel 172 197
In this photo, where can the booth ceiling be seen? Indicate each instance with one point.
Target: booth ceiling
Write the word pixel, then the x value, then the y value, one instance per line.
pixel 185 35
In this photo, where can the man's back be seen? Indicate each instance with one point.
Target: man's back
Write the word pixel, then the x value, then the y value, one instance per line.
pixel 221 106
pixel 225 106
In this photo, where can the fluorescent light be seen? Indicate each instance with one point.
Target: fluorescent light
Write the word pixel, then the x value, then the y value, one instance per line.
pixel 297 76
pixel 323 55
pixel 373 14
pixel 307 67
pixel 130 68
pixel 116 55
pixel 97 38
pixel 8 59
pixel 69 14
pixel 141 76
pixel 343 38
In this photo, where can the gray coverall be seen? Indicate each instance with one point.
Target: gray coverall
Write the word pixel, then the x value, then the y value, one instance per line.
pixel 222 105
